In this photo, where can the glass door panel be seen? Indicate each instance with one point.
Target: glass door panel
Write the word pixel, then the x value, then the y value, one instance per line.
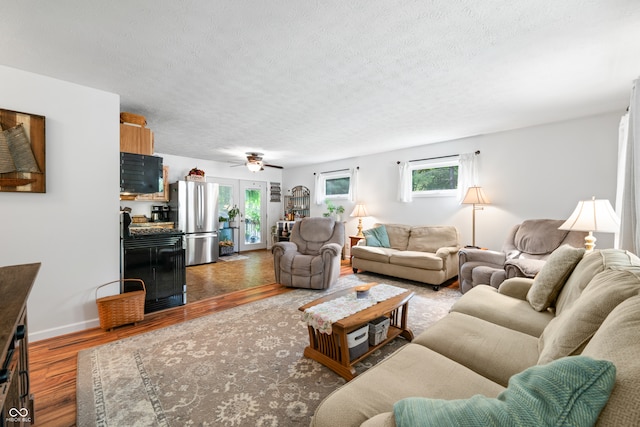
pixel 253 206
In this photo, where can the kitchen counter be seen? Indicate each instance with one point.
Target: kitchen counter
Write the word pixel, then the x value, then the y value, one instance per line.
pixel 157 224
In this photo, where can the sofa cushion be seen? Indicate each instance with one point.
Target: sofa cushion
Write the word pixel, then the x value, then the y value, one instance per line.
pixel 377 236
pixel 590 265
pixel 486 302
pixel 372 253
pixel 569 392
pixel 398 235
pixel 478 344
pixel 432 238
pixel 553 275
pixel 413 370
pixel 539 236
pixel 569 332
pixel 424 260
pixel 617 340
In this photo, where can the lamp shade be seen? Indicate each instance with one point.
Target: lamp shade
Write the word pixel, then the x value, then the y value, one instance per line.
pixel 254 166
pixel 593 215
pixel 359 211
pixel 475 196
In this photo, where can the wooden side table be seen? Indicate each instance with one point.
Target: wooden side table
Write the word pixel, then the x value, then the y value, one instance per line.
pixel 353 240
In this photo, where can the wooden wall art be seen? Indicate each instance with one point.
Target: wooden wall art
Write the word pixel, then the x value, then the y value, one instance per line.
pixel 22 152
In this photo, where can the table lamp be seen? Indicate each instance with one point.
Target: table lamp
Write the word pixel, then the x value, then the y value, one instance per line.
pixel 475 196
pixel 359 211
pixel 592 215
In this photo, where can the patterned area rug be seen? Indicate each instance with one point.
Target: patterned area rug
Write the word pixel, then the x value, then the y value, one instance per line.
pixel 239 367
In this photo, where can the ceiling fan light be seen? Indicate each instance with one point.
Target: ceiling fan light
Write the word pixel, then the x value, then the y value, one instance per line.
pixel 254 166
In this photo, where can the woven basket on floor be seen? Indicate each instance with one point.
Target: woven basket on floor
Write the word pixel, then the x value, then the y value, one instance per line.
pixel 121 309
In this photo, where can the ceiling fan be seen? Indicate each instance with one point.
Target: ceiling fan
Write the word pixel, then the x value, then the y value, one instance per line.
pixel 255 163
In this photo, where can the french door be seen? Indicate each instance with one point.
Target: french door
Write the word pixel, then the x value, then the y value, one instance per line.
pixel 253 206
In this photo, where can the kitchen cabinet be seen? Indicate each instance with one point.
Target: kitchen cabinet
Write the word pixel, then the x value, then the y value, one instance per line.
pixel 136 139
pixel 16 400
pixel 159 260
pixel 140 174
pixel 161 196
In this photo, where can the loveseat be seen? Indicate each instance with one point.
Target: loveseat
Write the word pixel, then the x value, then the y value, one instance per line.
pixel 427 254
pixel 505 353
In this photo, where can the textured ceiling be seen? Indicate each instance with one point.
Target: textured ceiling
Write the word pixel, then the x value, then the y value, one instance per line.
pixel 311 81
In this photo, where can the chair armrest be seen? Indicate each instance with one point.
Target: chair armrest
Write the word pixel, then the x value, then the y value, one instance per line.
pixel 483 256
pixel 333 249
pixel 517 287
pixel 523 267
pixel 282 247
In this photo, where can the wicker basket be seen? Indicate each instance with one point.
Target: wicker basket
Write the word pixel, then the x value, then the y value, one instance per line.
pixel 121 309
pixel 135 119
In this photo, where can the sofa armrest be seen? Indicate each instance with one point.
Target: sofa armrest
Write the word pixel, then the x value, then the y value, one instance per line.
pixel 483 256
pixel 446 251
pixel 523 267
pixel 516 287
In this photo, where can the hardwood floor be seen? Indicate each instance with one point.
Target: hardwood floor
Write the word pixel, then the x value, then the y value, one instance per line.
pixel 53 362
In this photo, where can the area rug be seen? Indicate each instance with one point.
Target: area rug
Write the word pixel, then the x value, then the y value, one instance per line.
pixel 240 367
pixel 232 257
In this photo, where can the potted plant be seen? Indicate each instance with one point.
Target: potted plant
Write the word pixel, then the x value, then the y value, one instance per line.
pixel 333 211
pixel 223 222
pixel 233 213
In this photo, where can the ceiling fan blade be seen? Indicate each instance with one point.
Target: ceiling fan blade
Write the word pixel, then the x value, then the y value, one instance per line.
pixel 272 166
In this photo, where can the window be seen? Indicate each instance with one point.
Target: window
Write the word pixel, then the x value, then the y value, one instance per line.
pixel 336 185
pixel 435 178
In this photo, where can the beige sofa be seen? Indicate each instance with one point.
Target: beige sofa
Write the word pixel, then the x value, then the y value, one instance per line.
pixel 491 335
pixel 427 254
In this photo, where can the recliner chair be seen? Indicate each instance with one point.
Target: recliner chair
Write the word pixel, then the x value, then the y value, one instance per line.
pixel 311 257
pixel 524 252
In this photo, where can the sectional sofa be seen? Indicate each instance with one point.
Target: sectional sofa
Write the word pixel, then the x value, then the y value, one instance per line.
pixel 427 254
pixel 537 351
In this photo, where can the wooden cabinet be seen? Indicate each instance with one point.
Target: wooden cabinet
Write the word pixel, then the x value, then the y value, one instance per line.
pixel 16 400
pixel 162 196
pixel 136 139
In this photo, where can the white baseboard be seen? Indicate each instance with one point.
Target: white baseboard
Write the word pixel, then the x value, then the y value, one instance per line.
pixel 63 330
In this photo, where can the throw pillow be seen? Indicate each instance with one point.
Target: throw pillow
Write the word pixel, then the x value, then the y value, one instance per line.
pixel 377 237
pixel 553 275
pixel 568 391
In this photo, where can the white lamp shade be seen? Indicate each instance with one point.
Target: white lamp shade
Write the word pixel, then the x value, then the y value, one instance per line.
pixel 593 215
pixel 254 166
pixel 475 195
pixel 359 211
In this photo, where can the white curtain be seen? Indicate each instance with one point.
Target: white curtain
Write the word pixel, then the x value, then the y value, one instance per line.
pixel 467 174
pixel 627 200
pixel 353 188
pixel 319 190
pixel 404 183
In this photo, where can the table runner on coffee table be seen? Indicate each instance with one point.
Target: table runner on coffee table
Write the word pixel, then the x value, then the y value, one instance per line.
pixel 322 316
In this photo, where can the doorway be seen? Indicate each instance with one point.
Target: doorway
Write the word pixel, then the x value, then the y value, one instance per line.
pixel 253 205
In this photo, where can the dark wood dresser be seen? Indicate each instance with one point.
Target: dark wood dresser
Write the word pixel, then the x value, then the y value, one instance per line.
pixel 16 401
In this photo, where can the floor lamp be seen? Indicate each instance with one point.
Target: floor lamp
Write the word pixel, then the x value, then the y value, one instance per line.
pixel 592 215
pixel 475 196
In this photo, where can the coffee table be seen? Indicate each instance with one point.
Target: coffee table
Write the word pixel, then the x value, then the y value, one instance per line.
pixel 332 349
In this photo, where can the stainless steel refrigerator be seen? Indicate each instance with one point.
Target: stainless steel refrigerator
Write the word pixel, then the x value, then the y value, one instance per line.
pixel 194 208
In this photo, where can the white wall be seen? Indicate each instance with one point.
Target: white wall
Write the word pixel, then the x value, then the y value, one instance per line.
pixel 73 228
pixel 537 172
